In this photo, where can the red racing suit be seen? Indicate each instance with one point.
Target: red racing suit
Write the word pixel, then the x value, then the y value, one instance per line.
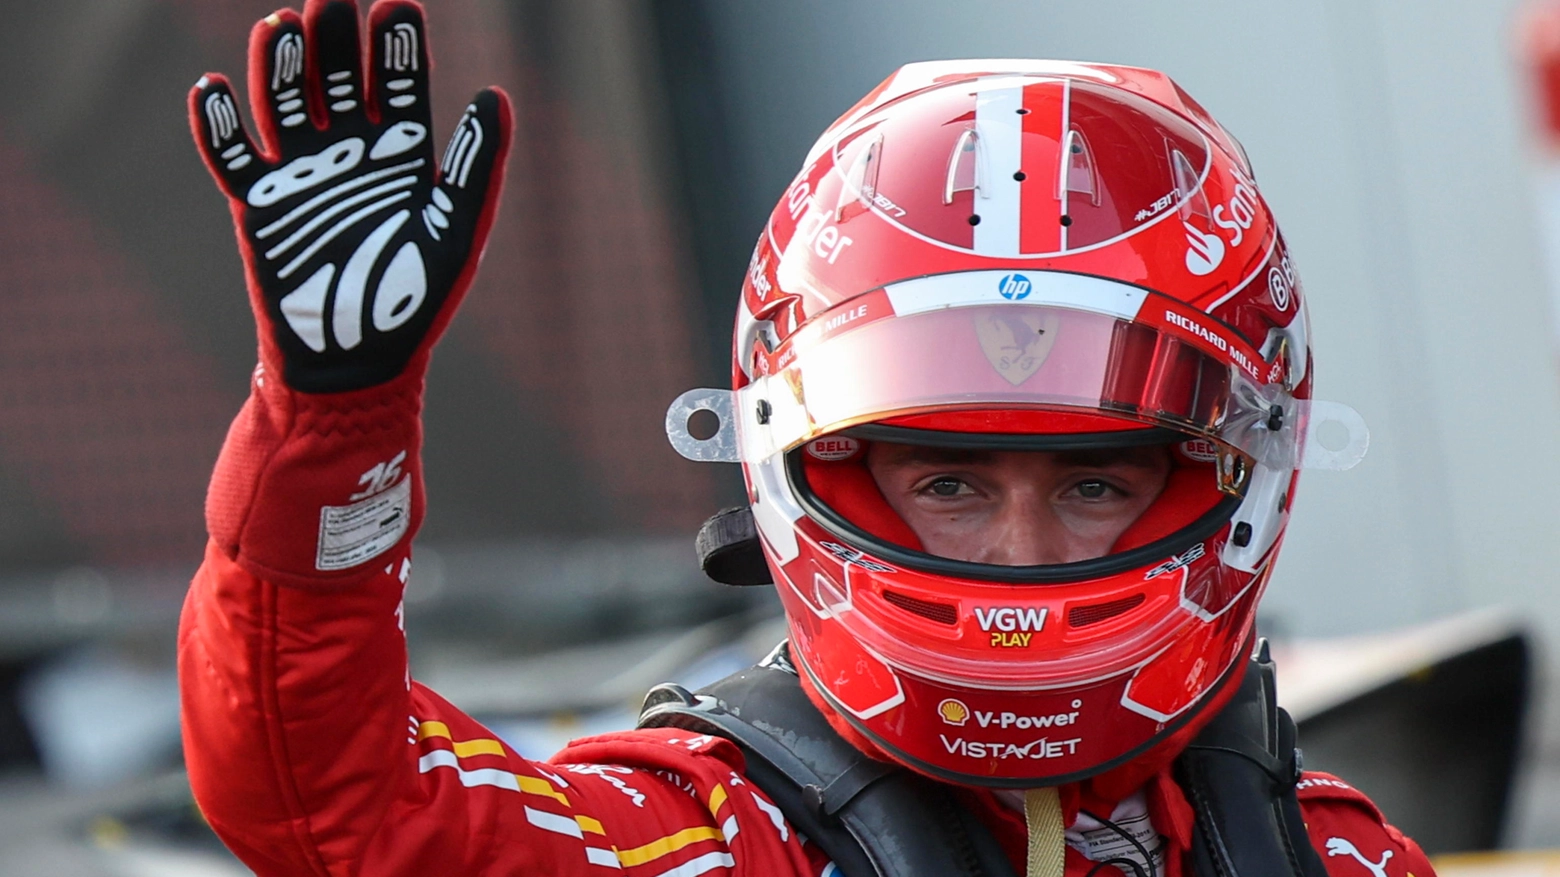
pixel 312 751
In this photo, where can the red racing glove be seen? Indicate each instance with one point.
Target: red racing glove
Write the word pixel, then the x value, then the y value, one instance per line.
pixel 357 249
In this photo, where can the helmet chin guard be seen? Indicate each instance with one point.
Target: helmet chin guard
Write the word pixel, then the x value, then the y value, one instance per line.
pixel 1021 256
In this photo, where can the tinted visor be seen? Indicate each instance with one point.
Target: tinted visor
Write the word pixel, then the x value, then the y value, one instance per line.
pixel 1062 342
pixel 1008 355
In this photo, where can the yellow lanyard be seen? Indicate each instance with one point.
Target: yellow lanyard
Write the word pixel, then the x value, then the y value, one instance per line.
pixel 1047 849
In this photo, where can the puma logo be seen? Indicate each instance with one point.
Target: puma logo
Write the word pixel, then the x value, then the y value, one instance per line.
pixel 1337 846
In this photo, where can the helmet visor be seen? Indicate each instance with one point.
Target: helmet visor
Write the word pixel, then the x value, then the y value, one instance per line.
pixel 1116 350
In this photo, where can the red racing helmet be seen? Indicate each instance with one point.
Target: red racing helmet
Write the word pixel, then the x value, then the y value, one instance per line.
pixel 1022 255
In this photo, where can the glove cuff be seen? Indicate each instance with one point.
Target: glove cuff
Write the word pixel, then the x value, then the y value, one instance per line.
pixel 316 490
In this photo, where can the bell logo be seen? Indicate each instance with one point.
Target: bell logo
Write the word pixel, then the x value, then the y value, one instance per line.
pixel 953 711
pixel 1204 252
pixel 832 448
pixel 1201 450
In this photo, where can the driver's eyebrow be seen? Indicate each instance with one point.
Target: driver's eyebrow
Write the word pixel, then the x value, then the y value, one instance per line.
pixel 934 456
pixel 1143 457
pixel 1146 457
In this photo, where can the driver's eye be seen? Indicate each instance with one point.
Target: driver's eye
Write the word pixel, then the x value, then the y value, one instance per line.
pixel 1093 489
pixel 946 486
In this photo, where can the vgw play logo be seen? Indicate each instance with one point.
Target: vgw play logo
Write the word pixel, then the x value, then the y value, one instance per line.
pixel 1011 626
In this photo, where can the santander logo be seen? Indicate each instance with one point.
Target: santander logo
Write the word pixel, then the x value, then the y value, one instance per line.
pixel 1204 251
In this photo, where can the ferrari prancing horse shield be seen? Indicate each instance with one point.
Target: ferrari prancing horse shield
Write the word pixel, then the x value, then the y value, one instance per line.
pixel 1016 343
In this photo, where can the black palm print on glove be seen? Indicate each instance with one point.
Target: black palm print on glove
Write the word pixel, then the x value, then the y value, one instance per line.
pixel 354 236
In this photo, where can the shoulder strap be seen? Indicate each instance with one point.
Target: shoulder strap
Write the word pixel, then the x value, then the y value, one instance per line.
pixel 1239 775
pixel 873 819
pixel 878 820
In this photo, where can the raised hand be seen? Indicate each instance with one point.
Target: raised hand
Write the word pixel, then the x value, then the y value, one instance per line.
pixel 358 247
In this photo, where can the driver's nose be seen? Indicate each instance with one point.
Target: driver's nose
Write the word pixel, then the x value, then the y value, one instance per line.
pixel 1026 531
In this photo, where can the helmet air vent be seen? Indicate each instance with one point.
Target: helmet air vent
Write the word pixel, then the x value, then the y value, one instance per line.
pixel 1078 173
pixel 1083 616
pixel 964 170
pixel 861 179
pixel 942 613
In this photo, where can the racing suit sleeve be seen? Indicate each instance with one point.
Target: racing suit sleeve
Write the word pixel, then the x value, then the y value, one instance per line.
pixel 310 750
pixel 312 753
pixel 1352 836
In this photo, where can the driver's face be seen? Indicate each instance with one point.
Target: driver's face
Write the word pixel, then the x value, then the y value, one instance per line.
pixel 1019 508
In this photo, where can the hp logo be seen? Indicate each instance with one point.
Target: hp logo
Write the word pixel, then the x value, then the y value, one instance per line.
pixel 1014 287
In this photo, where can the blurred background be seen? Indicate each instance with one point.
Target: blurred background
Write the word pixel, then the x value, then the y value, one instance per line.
pixel 1404 144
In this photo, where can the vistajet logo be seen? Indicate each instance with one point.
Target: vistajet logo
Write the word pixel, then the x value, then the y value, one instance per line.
pixel 1042 748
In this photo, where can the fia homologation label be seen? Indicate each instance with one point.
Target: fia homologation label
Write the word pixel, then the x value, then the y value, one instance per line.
pixel 352 534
